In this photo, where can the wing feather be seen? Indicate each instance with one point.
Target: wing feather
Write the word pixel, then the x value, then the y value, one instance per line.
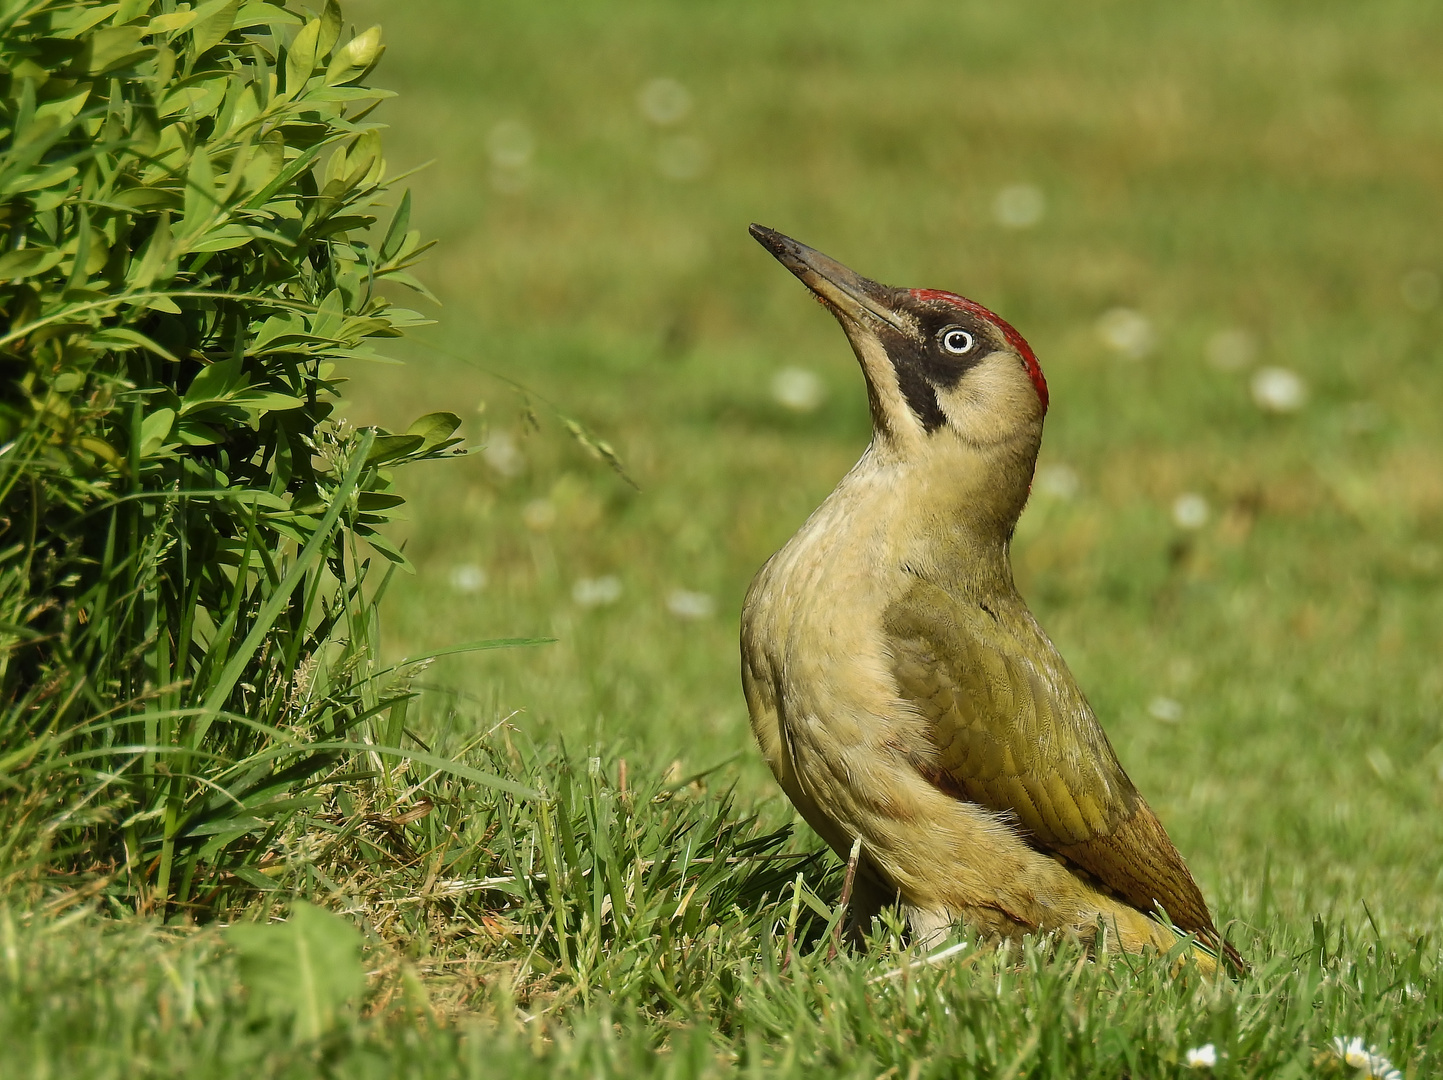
pixel 1012 732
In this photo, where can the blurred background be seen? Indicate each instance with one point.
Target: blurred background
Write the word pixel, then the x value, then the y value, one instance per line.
pixel 1217 224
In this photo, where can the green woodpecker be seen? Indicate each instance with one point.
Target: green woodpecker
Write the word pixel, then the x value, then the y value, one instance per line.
pixel 900 689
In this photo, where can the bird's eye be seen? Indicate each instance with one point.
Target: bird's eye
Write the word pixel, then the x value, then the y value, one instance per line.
pixel 955 340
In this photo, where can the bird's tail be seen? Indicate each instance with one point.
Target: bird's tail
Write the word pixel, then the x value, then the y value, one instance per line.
pixel 1234 958
pixel 1219 951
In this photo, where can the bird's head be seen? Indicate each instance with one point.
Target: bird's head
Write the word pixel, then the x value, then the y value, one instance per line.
pixel 939 367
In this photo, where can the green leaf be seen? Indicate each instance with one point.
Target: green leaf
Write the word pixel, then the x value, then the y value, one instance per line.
pixel 101 449
pixel 66 108
pixel 130 10
pixel 110 48
pixel 191 432
pixel 301 57
pixel 479 646
pixel 388 550
pixel 47 178
pixel 215 383
pixel 163 67
pixel 335 168
pixel 266 162
pixel 265 618
pixel 354 57
pixel 197 99
pixel 390 447
pixel 306 971
pixel 278 328
pixel 200 203
pixel 436 761
pixel 265 499
pixel 226 239
pixel 148 198
pixel 330 28
pixel 286 175
pixel 378 500
pixel 260 13
pixel 155 256
pixel 68 21
pixel 122 338
pixel 162 303
pixel 27 261
pixel 154 429
pixel 82 249
pixel 213 22
pixel 396 231
pixel 400 277
pixel 232 826
pixel 326 323
pixel 32 138
pixel 255 879
pixel 434 428
pixel 259 399
pixel 170 22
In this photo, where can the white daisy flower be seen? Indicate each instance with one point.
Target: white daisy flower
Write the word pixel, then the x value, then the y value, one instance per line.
pixel 1019 206
pixel 685 604
pixel 1279 390
pixel 1059 481
pixel 798 389
pixel 1190 511
pixel 1203 1057
pixel 597 591
pixel 502 453
pixel 1370 1064
pixel 1127 332
pixel 1165 709
pixel 664 102
pixel 468 578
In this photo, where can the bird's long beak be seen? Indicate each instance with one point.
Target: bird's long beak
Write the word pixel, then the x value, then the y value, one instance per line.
pixel 855 299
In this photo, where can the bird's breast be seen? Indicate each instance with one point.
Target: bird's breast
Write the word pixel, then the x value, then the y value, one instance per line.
pixel 818 680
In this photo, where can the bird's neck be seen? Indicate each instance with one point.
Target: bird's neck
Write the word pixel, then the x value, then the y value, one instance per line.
pixel 950 508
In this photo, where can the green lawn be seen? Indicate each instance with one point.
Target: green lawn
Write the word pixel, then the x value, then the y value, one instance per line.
pixel 1261 183
pixel 1271 169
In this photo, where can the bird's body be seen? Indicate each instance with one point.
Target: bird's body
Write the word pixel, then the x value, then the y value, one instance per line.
pixel 899 687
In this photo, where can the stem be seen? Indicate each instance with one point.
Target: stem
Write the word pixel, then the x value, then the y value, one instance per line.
pixel 847 883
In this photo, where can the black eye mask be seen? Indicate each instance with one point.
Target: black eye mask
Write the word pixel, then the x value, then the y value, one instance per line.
pixel 923 367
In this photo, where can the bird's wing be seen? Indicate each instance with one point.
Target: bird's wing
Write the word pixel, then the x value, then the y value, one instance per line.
pixel 1012 732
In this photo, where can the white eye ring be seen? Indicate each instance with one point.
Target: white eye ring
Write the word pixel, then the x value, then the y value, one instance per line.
pixel 956 340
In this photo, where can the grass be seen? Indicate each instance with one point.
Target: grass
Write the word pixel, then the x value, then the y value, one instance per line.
pixel 1250 169
pixel 589 930
pixel 1271 166
pixel 586 931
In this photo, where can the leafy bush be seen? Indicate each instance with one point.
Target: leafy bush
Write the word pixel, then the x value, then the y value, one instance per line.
pixel 187 202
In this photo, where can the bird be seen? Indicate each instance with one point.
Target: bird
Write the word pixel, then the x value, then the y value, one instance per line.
pixel 905 698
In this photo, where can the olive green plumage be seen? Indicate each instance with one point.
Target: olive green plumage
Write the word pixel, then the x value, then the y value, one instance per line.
pixel 900 689
pixel 1012 732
